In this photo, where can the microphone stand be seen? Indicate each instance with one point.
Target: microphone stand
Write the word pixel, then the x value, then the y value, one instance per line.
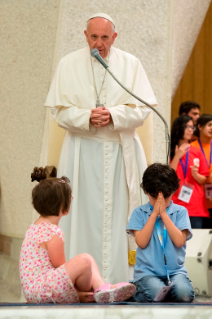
pixel 167 136
pixel 95 54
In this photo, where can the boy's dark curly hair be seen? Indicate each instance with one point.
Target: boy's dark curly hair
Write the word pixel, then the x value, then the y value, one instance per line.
pixel 160 178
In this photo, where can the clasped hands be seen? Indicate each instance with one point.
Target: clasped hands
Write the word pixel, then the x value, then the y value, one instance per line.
pixel 100 117
pixel 160 205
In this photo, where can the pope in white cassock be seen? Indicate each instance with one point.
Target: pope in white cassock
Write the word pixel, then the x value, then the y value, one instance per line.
pixel 101 153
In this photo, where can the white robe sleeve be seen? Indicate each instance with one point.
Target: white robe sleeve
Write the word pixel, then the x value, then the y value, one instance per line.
pixel 131 113
pixel 72 118
pixel 128 117
pixel 72 96
pixel 60 100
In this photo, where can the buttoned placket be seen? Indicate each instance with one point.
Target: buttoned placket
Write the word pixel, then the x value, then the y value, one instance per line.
pixel 107 213
pixel 107 205
pixel 108 153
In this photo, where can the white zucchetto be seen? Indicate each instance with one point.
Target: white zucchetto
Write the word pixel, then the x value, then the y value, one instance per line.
pixel 102 15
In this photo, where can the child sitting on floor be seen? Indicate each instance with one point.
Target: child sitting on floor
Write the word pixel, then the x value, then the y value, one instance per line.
pixel 45 275
pixel 161 229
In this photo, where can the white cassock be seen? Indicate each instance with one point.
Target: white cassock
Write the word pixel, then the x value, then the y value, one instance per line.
pixel 105 165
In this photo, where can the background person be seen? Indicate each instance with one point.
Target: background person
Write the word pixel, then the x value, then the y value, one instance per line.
pixel 192 170
pixel 192 109
pixel 204 143
pixel 160 223
pixel 101 153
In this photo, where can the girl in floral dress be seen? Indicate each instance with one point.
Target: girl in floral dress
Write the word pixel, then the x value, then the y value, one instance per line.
pixel 45 275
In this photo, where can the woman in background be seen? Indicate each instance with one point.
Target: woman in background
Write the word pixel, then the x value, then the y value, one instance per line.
pixel 192 170
pixel 204 143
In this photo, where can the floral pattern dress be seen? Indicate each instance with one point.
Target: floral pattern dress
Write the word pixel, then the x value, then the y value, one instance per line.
pixel 41 282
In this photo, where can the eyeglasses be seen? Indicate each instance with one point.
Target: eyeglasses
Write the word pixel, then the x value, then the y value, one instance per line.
pixel 191 127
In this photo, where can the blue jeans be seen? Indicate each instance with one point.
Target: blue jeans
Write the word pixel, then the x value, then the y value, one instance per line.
pixel 148 287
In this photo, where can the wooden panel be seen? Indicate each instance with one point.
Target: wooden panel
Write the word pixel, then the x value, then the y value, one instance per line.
pixel 196 83
pixel 199 70
pixel 208 63
pixel 187 81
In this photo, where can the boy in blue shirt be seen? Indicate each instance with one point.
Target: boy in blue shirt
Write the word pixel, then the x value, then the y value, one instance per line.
pixel 161 229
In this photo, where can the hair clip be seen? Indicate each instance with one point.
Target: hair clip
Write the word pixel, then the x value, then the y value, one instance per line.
pixel 40 173
pixel 61 181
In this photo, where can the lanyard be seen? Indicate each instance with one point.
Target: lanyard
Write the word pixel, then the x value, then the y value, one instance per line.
pixel 186 165
pixel 162 242
pixel 210 158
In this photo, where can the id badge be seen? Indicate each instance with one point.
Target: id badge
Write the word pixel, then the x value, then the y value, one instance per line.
pixel 186 192
pixel 208 191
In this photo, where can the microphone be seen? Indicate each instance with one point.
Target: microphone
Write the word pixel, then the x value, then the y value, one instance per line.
pixel 95 54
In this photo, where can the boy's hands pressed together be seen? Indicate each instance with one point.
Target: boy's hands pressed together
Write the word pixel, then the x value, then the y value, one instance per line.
pixel 156 208
pixel 160 205
pixel 177 236
pixel 143 236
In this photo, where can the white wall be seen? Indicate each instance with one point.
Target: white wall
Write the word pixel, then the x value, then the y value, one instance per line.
pixel 34 35
pixel 27 37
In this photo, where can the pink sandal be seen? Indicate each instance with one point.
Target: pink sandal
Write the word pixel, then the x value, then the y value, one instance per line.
pixel 123 291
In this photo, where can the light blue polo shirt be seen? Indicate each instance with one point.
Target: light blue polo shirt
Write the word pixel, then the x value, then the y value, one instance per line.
pixel 150 261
